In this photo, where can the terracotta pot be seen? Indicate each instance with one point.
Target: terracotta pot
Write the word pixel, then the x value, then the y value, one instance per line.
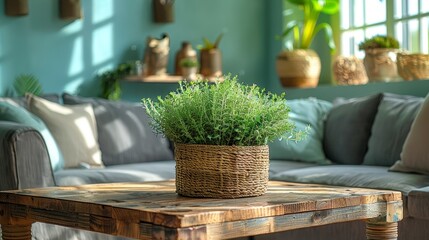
pixel 298 68
pixel 211 63
pixel 16 7
pixel 185 52
pixel 380 64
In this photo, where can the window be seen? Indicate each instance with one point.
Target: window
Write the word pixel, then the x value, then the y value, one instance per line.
pixel 406 20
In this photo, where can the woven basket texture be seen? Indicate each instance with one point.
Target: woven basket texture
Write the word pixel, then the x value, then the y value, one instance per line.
pixel 211 171
pixel 413 66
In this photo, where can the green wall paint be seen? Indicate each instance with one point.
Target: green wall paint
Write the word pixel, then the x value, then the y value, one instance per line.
pixel 67 56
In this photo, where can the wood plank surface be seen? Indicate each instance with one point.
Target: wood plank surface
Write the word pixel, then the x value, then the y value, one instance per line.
pixel 157 203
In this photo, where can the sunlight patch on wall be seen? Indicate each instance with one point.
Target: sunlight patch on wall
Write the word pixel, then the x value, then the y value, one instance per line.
pixel 73 86
pixel 102 44
pixel 73 27
pixel 102 10
pixel 76 61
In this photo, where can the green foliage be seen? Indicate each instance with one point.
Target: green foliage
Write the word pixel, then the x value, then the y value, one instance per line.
pixel 379 41
pixel 188 62
pixel 305 31
pixel 111 88
pixel 27 83
pixel 223 113
pixel 207 44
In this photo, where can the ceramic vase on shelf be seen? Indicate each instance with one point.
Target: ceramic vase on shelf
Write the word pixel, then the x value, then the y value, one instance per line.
pixel 155 57
pixel 349 70
pixel 380 64
pixel 298 68
pixel 185 52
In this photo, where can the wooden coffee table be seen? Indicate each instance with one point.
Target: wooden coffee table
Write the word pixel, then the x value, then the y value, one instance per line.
pixel 154 211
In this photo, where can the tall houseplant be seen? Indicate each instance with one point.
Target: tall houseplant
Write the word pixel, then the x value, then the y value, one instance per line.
pixel 220 132
pixel 300 66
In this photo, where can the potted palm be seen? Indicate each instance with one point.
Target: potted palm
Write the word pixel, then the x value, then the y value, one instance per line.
pixel 298 65
pixel 220 133
pixel 380 58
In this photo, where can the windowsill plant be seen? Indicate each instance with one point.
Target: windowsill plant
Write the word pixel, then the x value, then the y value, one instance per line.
pixel 298 65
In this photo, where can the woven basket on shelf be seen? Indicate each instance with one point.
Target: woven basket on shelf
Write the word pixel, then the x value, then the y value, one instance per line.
pixel 413 66
pixel 221 171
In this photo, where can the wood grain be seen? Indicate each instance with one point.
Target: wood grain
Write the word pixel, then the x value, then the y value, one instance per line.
pixel 151 210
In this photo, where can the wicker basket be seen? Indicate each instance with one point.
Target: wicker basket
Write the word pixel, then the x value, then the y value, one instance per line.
pixel 212 171
pixel 413 66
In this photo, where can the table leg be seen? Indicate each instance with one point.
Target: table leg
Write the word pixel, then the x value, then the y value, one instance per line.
pixel 16 232
pixel 381 231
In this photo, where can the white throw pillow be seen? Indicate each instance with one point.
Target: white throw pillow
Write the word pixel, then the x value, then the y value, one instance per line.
pixel 74 129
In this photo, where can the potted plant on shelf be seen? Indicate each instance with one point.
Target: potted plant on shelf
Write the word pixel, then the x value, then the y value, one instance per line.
pixel 299 66
pixel 211 57
pixel 380 58
pixel 220 133
pixel 189 68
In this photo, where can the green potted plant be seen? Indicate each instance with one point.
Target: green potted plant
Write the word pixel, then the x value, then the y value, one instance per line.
pixel 380 58
pixel 211 57
pixel 27 83
pixel 299 66
pixel 220 133
pixel 189 68
pixel 110 86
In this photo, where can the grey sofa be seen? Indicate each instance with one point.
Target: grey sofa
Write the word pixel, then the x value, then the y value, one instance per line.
pixel 354 143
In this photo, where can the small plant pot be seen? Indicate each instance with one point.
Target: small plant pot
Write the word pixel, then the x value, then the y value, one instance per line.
pixel 211 62
pixel 298 68
pixel 211 171
pixel 380 65
pixel 163 11
pixel 70 9
pixel 16 7
pixel 189 73
pixel 349 70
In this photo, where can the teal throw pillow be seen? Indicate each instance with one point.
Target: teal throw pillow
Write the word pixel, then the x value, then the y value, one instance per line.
pixel 15 113
pixel 304 112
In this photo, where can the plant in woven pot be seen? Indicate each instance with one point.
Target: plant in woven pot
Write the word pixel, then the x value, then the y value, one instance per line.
pixel 220 133
pixel 380 58
pixel 298 65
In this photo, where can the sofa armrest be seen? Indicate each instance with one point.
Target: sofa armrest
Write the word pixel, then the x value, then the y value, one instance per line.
pixel 24 159
pixel 418 200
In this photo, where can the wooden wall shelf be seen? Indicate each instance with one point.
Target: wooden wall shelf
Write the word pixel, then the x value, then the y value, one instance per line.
pixel 163 79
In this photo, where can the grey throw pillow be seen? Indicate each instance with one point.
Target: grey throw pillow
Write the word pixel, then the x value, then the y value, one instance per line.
pixel 124 134
pixel 348 128
pixel 392 123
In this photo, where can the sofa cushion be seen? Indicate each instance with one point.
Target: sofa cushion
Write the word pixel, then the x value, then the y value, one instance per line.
pixel 124 133
pixel 355 176
pixel 21 101
pixel 415 152
pixel 137 172
pixel 392 123
pixel 304 112
pixel 418 200
pixel 348 128
pixel 15 113
pixel 277 166
pixel 74 129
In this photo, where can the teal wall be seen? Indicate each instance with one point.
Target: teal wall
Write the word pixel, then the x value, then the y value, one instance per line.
pixel 68 55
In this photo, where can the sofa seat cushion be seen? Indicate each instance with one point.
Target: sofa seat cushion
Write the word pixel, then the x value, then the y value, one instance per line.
pixel 278 166
pixel 136 172
pixel 418 202
pixel 377 177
